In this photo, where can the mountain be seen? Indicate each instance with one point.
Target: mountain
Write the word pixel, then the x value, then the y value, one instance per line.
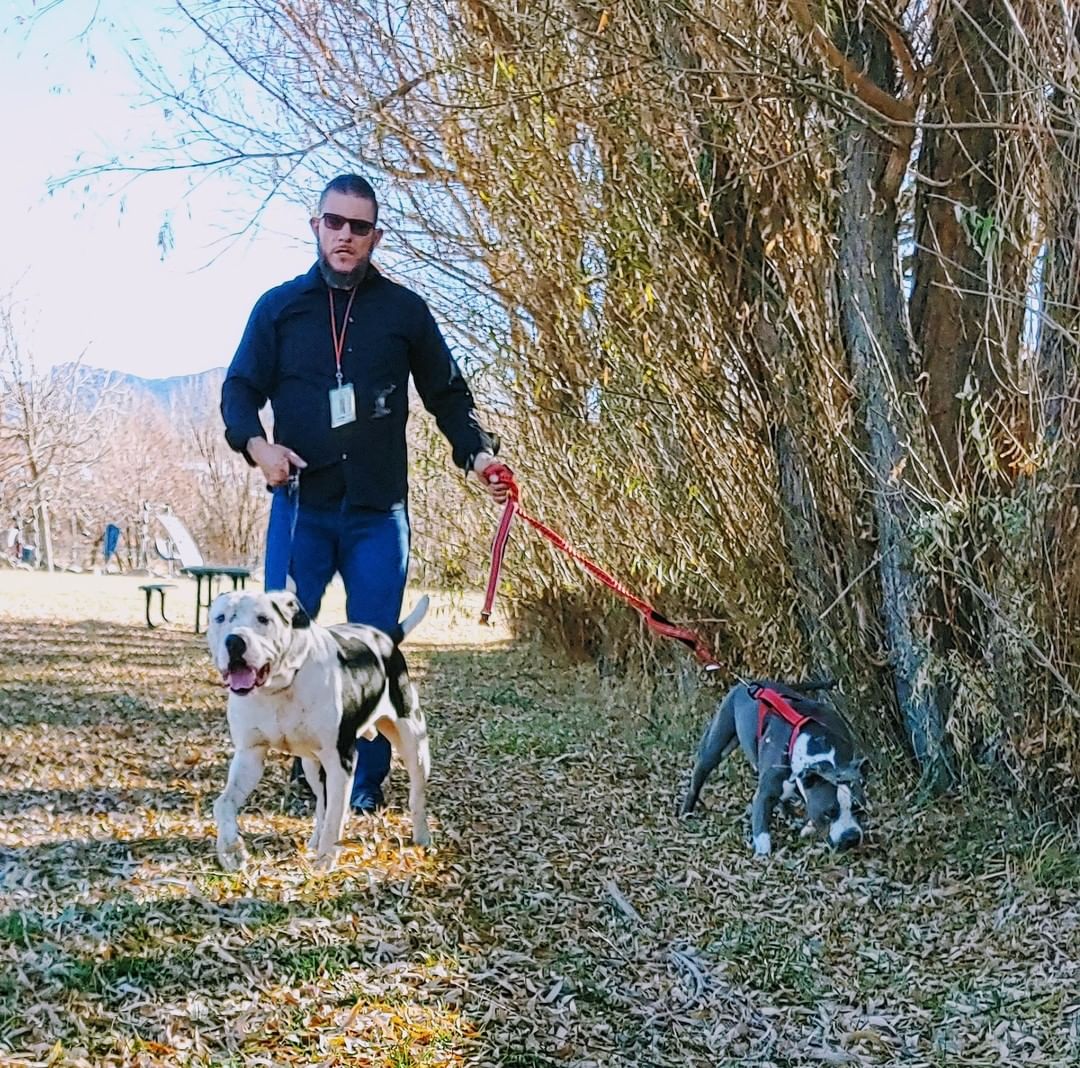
pixel 168 390
pixel 185 389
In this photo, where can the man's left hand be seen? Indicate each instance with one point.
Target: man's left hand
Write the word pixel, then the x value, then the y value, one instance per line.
pixel 499 490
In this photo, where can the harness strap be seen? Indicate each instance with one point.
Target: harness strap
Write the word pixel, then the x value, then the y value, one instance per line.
pixel 770 702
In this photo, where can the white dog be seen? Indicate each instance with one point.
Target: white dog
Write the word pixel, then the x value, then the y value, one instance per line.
pixel 311 691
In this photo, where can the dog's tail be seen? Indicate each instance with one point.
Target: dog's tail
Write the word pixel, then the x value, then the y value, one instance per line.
pixel 411 621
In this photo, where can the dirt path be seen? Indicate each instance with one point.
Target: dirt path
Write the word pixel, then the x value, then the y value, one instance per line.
pixel 564 916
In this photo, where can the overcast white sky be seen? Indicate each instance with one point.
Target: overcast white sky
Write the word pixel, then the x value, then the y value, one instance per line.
pixel 82 265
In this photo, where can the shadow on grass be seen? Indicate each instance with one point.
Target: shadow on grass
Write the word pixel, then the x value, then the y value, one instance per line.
pixel 93 800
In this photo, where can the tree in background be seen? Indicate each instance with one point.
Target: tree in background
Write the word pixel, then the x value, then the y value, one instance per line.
pixel 81 448
pixel 53 425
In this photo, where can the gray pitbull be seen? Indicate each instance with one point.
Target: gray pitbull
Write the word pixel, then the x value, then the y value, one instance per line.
pixel 310 691
pixel 800 747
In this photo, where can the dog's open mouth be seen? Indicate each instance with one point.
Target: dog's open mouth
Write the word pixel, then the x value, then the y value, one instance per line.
pixel 241 679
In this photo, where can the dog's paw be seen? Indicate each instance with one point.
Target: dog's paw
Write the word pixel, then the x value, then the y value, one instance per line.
pixel 326 862
pixel 687 809
pixel 807 830
pixel 421 836
pixel 232 856
pixel 762 844
pixel 313 841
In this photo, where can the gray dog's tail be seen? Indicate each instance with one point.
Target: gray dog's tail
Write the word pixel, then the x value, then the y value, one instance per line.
pixel 411 621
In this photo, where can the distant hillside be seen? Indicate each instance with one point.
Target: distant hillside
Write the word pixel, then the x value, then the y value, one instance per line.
pixel 169 390
pixel 184 389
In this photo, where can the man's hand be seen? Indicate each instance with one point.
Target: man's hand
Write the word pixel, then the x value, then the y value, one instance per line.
pixel 273 460
pixel 499 490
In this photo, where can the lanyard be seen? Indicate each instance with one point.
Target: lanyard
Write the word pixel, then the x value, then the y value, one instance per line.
pixel 339 340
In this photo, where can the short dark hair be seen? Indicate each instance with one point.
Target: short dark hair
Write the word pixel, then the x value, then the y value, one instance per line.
pixel 354 186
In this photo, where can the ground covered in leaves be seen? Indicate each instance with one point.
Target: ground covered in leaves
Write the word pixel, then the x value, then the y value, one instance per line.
pixel 564 916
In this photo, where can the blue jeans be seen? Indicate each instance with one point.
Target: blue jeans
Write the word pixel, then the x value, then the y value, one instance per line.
pixel 370 550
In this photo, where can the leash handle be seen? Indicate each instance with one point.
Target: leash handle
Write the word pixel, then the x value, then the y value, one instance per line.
pixel 498 473
pixel 292 489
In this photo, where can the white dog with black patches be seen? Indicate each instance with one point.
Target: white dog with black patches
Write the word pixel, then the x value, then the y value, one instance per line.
pixel 311 691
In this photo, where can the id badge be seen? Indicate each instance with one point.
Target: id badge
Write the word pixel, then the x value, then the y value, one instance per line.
pixel 342 405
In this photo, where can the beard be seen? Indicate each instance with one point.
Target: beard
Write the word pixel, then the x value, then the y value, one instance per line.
pixel 342 279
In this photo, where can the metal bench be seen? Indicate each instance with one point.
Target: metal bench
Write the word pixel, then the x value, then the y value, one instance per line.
pixel 160 587
pixel 209 572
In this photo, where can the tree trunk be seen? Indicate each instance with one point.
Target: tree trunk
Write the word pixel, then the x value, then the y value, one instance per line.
pixel 45 541
pixel 957 228
pixel 872 316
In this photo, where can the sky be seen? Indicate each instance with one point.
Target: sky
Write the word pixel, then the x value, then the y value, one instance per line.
pixel 81 265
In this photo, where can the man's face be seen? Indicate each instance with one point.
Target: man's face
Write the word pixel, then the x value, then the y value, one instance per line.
pixel 345 253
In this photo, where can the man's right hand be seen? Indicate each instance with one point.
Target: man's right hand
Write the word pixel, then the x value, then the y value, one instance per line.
pixel 273 460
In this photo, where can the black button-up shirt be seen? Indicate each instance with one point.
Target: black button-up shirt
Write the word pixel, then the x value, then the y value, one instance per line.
pixel 286 356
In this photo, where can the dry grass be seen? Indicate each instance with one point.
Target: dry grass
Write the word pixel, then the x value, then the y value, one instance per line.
pixel 564 916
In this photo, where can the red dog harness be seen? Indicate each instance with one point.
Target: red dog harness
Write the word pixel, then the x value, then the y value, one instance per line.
pixel 770 702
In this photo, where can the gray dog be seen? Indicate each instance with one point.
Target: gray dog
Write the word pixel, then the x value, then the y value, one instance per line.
pixel 800 747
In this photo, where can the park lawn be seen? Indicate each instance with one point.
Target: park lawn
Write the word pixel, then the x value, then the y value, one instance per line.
pixel 564 916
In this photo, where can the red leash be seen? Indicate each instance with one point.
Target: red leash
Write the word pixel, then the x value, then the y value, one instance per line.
pixel 653 619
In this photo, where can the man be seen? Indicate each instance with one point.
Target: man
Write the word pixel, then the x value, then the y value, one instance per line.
pixel 332 351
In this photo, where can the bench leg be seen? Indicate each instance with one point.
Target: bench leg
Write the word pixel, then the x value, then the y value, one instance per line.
pixel 199 603
pixel 161 607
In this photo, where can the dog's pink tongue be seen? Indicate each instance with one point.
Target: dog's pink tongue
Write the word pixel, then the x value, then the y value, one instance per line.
pixel 241 678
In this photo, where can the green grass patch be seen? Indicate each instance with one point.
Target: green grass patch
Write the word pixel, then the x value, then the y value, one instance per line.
pixel 20 927
pixel 149 971
pixel 770 956
pixel 318 962
pixel 987 840
pixel 539 733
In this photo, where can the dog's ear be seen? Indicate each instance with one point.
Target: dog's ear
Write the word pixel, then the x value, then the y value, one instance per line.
pixel 845 775
pixel 289 608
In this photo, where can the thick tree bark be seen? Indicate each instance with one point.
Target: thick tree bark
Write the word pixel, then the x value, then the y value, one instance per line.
pixel 1057 366
pixel 871 310
pixel 957 228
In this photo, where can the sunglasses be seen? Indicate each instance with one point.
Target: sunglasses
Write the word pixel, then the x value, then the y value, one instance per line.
pixel 359 227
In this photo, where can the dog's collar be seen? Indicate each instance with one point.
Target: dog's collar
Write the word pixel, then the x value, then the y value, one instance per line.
pixel 770 702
